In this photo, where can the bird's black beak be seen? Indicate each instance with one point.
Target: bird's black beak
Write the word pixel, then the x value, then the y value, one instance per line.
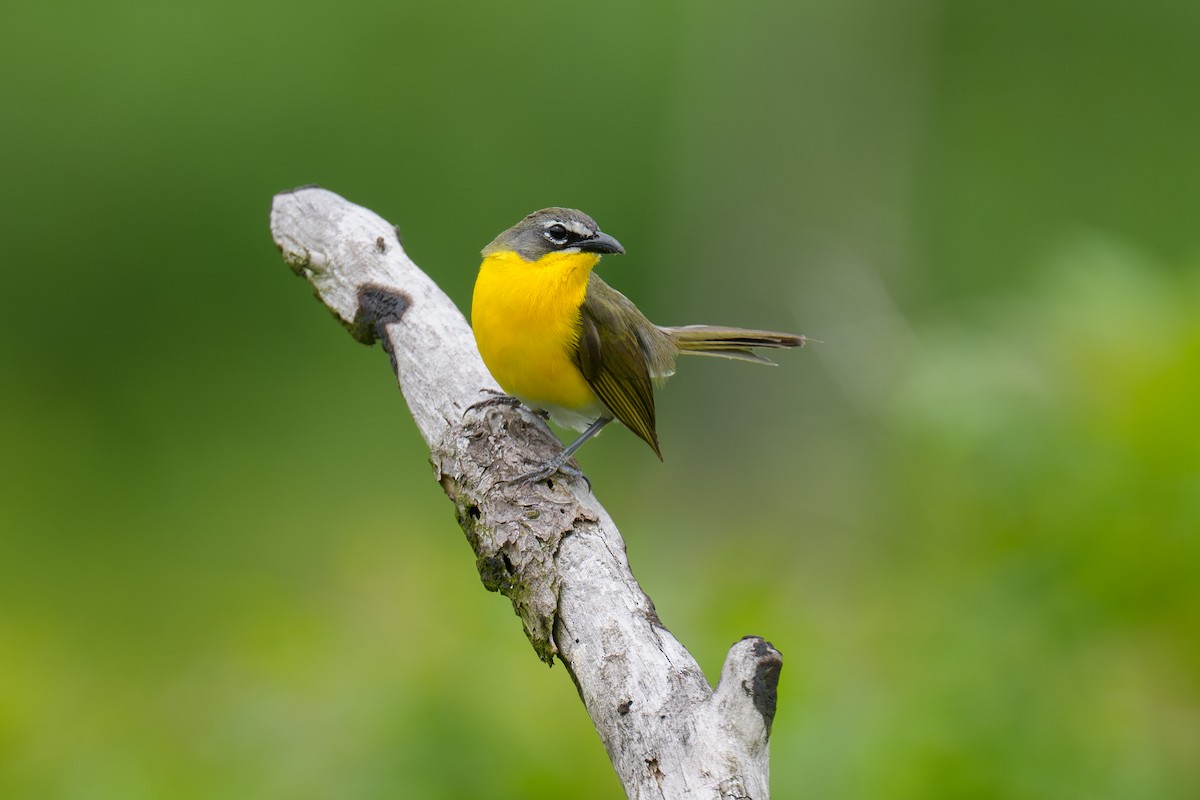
pixel 601 243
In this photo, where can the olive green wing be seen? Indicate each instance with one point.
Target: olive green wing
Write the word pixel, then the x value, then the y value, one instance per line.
pixel 614 358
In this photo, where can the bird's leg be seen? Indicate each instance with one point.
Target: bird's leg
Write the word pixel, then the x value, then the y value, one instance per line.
pixel 559 462
pixel 591 431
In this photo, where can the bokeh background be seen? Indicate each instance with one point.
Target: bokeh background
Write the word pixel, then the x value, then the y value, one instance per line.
pixel 968 517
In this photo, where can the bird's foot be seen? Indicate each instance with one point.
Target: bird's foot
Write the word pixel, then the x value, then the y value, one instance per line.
pixel 551 467
pixel 499 398
pixel 549 470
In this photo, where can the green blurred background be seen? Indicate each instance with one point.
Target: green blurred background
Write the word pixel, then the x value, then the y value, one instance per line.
pixel 968 517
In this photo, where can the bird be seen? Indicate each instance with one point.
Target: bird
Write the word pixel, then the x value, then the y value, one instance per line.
pixel 559 339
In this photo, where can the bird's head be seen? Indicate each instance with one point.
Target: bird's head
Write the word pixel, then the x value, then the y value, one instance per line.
pixel 554 230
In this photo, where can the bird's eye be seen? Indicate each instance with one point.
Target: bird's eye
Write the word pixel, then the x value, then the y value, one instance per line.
pixel 557 233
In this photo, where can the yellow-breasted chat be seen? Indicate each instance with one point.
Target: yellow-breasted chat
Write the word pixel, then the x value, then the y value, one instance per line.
pixel 561 340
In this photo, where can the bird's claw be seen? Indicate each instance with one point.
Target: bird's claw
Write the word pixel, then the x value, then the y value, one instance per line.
pixel 501 399
pixel 498 398
pixel 549 470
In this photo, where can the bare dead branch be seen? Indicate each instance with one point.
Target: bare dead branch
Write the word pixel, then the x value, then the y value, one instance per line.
pixel 549 547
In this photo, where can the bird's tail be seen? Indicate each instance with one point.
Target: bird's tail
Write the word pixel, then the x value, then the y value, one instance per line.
pixel 738 343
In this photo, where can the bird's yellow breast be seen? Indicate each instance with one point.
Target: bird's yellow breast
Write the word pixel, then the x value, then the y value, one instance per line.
pixel 527 322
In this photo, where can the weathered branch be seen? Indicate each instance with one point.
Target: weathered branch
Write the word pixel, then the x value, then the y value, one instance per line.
pixel 549 547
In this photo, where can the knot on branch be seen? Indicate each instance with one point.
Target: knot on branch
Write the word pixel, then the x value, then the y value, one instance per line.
pixel 378 307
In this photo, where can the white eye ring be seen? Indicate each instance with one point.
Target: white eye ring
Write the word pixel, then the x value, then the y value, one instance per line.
pixel 556 232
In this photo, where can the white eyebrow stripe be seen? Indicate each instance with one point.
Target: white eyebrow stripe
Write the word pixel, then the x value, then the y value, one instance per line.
pixel 575 226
